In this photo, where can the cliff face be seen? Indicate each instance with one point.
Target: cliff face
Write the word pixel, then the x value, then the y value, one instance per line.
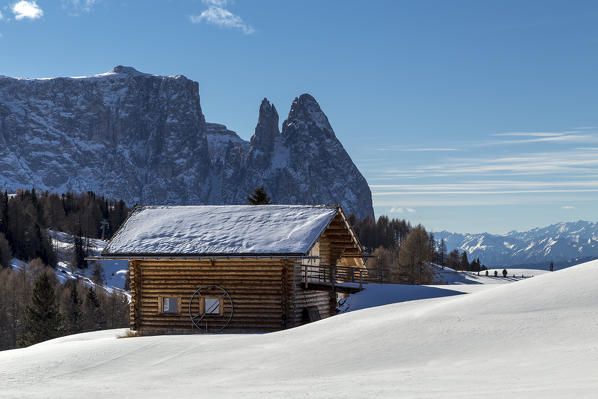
pixel 143 138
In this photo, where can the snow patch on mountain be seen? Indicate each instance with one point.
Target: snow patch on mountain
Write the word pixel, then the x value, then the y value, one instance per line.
pixel 561 242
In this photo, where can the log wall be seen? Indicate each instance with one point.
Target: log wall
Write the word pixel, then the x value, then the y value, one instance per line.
pixel 258 288
pixel 300 299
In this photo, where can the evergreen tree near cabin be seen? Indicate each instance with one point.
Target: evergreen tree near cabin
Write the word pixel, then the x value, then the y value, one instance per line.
pixel 93 317
pixel 259 197
pixel 464 263
pixel 74 316
pixel 5 251
pixel 42 318
pixel 475 265
pixel 442 253
pixel 78 260
pixel 453 259
pixel 98 273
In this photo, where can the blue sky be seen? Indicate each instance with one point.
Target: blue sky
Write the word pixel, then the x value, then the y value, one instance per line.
pixel 465 116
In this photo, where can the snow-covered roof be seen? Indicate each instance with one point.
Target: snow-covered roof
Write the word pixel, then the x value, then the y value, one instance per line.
pixel 221 230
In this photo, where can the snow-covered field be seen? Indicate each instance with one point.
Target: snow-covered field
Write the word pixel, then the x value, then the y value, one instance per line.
pixel 534 338
pixel 447 275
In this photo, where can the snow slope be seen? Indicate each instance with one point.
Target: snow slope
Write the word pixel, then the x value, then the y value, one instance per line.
pixel 535 338
pixel 114 271
pixel 446 275
pixel 450 282
pixel 385 294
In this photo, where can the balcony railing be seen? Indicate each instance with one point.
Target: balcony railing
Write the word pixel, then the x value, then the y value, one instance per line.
pixel 342 275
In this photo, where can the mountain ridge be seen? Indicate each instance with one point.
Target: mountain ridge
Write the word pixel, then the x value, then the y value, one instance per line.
pixel 143 138
pixel 559 242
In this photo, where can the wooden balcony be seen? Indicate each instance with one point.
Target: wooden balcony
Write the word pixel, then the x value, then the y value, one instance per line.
pixel 340 278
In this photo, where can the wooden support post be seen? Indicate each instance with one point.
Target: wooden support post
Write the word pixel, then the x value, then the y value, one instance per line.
pixel 132 307
pixel 332 276
pixel 305 275
pixel 135 285
pixel 360 279
pixel 284 294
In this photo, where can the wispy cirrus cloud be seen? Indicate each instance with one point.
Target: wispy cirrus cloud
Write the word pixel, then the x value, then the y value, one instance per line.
pixel 586 135
pixel 582 160
pixel 532 134
pixel 430 149
pixel 577 135
pixel 400 210
pixel 501 178
pixel 27 10
pixel 218 14
pixel 569 175
pixel 494 186
pixel 76 7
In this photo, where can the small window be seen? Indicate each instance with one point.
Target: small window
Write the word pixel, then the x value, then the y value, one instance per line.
pixel 213 305
pixel 169 305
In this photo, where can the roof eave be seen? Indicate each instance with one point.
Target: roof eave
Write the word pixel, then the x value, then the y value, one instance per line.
pixel 124 256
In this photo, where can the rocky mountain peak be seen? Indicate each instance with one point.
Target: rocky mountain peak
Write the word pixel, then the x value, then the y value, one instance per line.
pixel 267 109
pixel 306 111
pixel 126 70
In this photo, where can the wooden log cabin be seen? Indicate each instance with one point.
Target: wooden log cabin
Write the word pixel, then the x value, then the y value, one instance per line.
pixel 238 268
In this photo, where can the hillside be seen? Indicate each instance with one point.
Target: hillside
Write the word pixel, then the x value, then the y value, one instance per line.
pixel 561 243
pixel 531 338
pixel 143 138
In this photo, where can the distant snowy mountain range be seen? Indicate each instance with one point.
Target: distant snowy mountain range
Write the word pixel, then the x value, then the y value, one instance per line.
pixel 143 138
pixel 561 243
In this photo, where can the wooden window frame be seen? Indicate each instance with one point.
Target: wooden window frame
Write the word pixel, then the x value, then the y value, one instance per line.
pixel 161 305
pixel 220 305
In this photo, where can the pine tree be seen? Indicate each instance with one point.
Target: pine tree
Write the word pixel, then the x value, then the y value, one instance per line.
pixel 93 317
pixel 259 197
pixel 464 261
pixel 127 281
pixel 551 267
pixel 453 259
pixel 476 265
pixel 5 252
pixel 98 273
pixel 42 318
pixel 74 317
pixel 442 252
pixel 433 249
pixel 78 260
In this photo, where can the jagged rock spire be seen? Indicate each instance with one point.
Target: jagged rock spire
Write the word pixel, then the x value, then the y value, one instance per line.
pixel 265 136
pixel 306 110
pixel 266 130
